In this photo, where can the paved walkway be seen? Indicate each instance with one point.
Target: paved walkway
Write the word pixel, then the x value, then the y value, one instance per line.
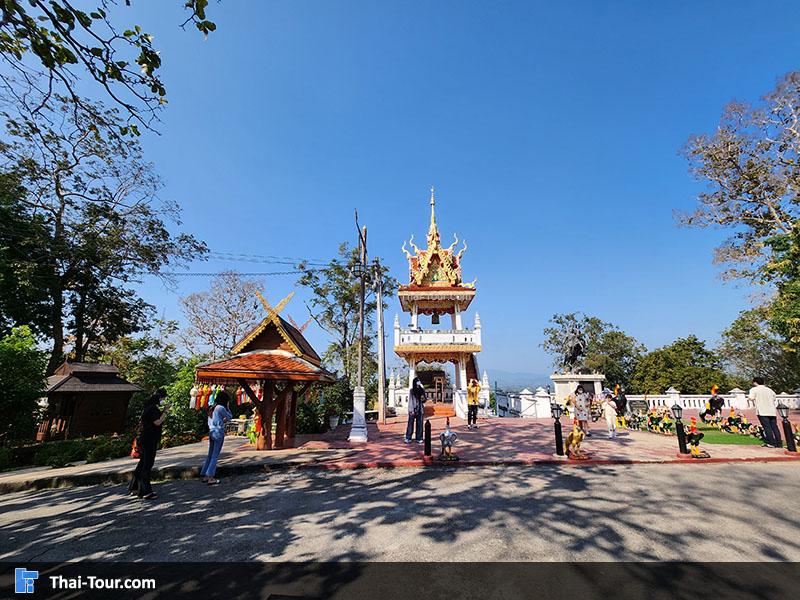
pixel 496 442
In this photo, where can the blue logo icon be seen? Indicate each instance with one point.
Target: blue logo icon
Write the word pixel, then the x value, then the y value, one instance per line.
pixel 23 580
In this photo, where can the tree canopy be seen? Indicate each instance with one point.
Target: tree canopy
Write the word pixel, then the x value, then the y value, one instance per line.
pixel 686 364
pixel 222 315
pixel 334 307
pixel 749 348
pixel 751 165
pixel 86 203
pixel 21 384
pixel 608 349
pixel 51 45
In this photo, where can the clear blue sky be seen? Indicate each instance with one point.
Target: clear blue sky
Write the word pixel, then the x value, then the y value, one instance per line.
pixel 550 130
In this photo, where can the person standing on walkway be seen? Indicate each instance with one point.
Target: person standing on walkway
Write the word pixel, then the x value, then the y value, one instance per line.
pixel 416 408
pixel 582 409
pixel 218 415
pixel 149 438
pixel 472 403
pixel 610 414
pixel 622 404
pixel 764 399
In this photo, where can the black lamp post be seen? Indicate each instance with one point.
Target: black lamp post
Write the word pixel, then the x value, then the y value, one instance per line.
pixel 783 411
pixel 557 410
pixel 677 412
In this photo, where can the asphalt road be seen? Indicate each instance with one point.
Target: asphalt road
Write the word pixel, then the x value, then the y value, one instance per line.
pixel 712 512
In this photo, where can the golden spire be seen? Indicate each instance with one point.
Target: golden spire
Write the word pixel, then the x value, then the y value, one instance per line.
pixel 433 230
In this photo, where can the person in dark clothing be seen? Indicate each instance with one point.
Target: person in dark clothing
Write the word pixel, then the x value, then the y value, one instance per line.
pixel 416 408
pixel 149 438
pixel 621 401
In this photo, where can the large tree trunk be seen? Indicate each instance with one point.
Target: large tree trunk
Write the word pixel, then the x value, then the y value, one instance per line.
pixel 80 327
pixel 57 325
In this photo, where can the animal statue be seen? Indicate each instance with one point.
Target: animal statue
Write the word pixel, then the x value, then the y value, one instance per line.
pixel 693 437
pixel 634 421
pixel 574 349
pixel 731 423
pixel 653 420
pixel 447 438
pixel 666 424
pixel 573 443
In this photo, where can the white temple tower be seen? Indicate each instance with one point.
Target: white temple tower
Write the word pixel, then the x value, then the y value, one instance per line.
pixel 435 289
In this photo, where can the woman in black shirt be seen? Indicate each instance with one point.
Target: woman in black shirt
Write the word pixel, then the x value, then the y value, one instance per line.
pixel 149 438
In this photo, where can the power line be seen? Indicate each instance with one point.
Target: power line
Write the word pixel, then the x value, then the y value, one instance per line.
pixel 214 274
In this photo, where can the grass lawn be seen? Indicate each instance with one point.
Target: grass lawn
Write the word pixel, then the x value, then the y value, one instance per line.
pixel 715 436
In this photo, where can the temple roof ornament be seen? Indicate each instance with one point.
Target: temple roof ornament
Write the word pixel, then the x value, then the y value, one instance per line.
pixel 435 266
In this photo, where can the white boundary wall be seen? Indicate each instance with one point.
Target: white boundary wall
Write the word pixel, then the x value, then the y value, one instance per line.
pixel 527 404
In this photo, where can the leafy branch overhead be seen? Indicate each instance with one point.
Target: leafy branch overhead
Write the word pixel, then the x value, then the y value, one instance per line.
pixel 751 165
pixel 52 44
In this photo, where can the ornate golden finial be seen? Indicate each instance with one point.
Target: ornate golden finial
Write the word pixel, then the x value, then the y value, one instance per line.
pixel 433 230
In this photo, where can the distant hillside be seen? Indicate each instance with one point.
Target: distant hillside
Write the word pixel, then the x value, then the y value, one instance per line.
pixel 517 381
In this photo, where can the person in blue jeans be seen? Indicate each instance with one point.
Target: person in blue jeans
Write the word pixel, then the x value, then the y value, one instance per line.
pixel 218 415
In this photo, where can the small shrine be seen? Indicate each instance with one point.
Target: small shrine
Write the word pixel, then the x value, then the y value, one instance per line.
pixel 85 399
pixel 272 367
pixel 436 289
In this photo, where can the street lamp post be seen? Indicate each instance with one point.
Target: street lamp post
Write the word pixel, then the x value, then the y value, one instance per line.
pixel 381 344
pixel 556 411
pixel 677 412
pixel 783 411
pixel 358 432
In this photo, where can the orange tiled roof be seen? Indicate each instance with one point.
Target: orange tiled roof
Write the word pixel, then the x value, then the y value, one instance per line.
pixel 260 365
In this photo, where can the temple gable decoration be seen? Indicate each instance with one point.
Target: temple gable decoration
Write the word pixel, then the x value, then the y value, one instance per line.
pixel 435 266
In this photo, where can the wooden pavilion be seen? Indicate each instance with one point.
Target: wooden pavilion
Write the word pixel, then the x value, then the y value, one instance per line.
pixel 85 399
pixel 278 361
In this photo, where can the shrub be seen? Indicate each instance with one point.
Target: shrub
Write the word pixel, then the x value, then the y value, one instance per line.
pixel 311 416
pixel 6 458
pixel 182 420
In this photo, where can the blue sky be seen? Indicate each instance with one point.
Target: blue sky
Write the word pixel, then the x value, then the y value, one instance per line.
pixel 551 132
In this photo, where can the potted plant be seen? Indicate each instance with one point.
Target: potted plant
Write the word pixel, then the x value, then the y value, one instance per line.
pixel 337 401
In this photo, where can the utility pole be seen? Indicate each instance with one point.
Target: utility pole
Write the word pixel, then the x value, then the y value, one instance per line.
pixel 358 432
pixel 381 345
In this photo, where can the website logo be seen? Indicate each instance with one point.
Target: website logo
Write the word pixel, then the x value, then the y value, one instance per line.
pixel 23 580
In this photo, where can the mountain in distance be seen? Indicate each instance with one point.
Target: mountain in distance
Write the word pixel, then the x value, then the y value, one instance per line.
pixel 516 381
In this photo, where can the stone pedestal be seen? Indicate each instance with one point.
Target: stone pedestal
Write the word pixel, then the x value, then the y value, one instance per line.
pixel 358 432
pixel 565 384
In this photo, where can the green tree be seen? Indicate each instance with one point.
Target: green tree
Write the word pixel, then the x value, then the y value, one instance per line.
pixel 615 354
pixel 53 45
pixel 22 383
pixel 783 269
pixel 23 297
pixel 181 419
pixel 685 364
pixel 749 347
pixel 98 222
pixel 150 360
pixel 608 350
pixel 750 167
pixel 334 305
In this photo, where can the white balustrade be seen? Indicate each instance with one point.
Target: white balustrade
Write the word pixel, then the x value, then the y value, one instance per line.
pixel 406 337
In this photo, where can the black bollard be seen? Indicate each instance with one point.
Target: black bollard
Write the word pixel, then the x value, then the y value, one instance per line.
pixel 681 437
pixel 787 433
pixel 427 437
pixel 559 438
